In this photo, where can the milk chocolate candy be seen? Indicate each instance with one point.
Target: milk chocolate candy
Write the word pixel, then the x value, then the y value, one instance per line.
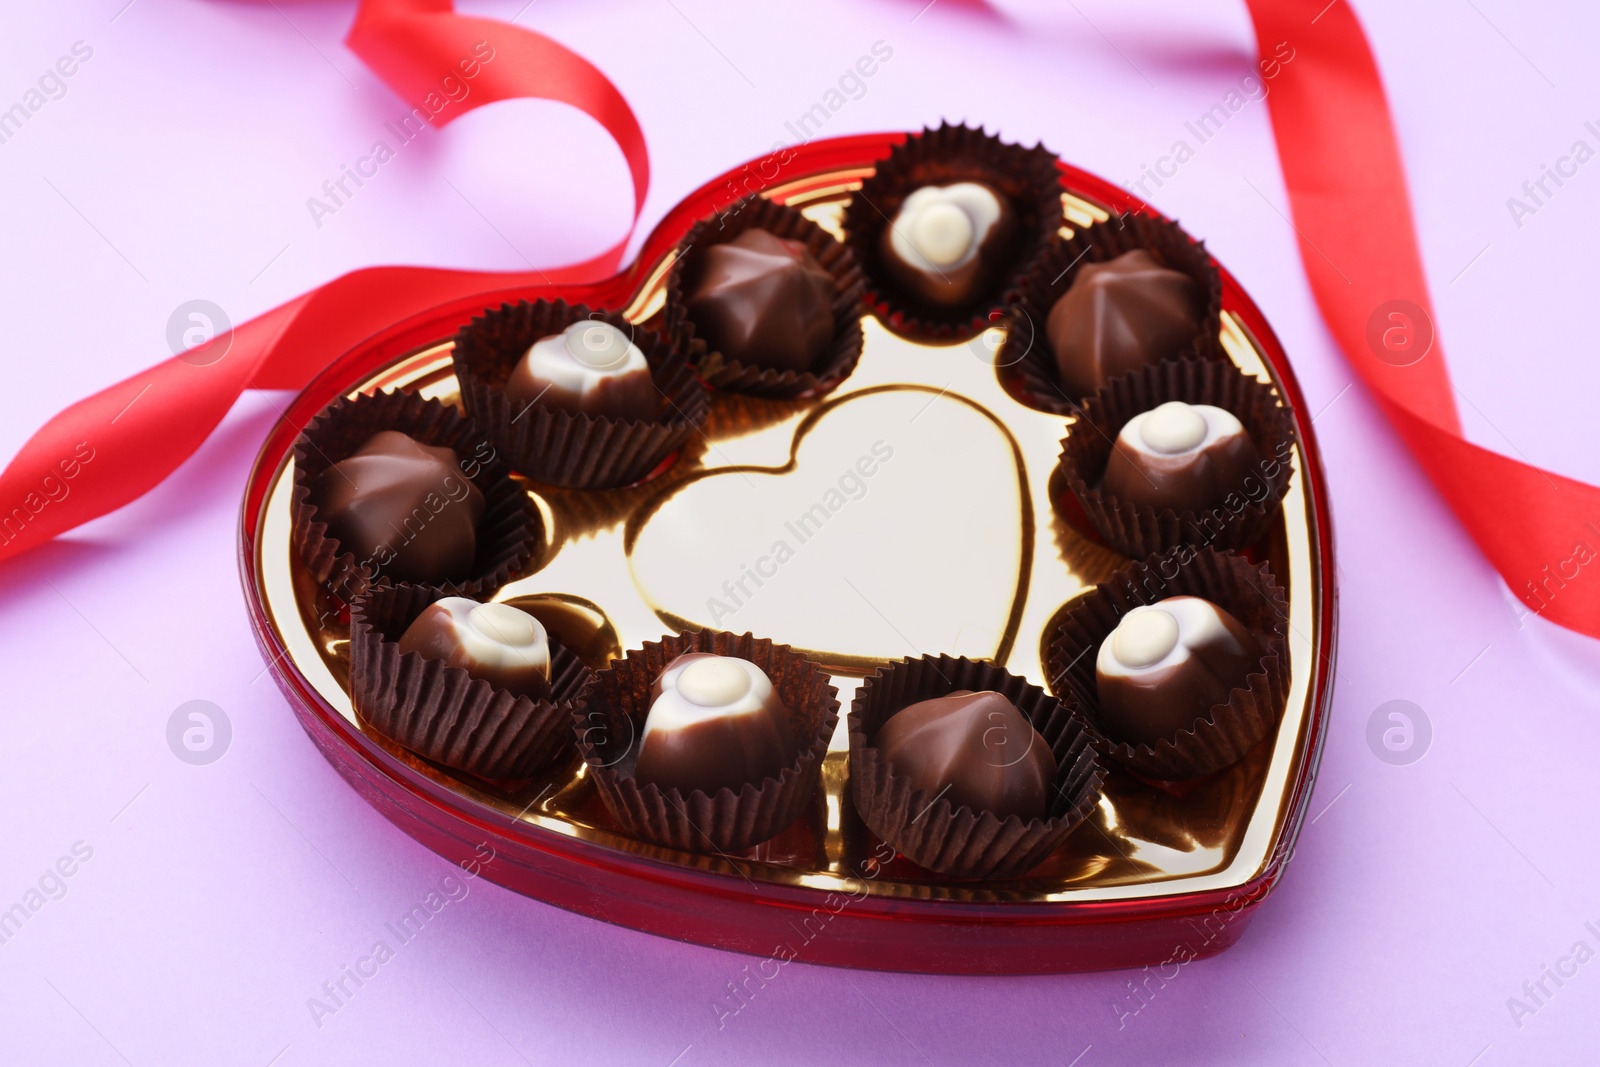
pixel 1168 664
pixel 504 646
pixel 764 301
pixel 967 769
pixel 405 506
pixel 714 722
pixel 1120 315
pixel 976 749
pixel 1186 457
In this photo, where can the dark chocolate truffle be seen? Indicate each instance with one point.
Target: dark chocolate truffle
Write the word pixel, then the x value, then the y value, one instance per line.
pixel 950 245
pixel 403 507
pixel 505 647
pixel 1181 456
pixel 976 749
pixel 714 721
pixel 1120 315
pixel 763 301
pixel 591 368
pixel 1168 664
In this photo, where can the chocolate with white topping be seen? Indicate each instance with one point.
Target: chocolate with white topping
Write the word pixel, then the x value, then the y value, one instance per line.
pixel 504 646
pixel 590 368
pixel 1187 457
pixel 949 245
pixel 1168 664
pixel 714 721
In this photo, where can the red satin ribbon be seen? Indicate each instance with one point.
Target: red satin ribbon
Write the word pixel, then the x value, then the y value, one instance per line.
pixel 1347 190
pixel 415 45
pixel 113 447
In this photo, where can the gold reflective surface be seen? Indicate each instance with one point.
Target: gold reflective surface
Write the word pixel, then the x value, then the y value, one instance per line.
pixel 908 512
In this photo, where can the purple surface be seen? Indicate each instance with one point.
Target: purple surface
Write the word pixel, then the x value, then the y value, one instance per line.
pixel 219 899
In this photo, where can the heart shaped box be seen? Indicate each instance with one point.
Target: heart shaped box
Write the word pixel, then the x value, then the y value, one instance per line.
pixel 1160 876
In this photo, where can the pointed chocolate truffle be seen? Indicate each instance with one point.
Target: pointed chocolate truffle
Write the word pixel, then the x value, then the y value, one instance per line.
pixel 976 749
pixel 1118 316
pixel 1187 457
pixel 714 721
pixel 1167 665
pixel 590 368
pixel 505 647
pixel 763 301
pixel 950 245
pixel 403 507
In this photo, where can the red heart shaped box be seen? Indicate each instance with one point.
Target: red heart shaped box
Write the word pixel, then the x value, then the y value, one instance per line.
pixel 712 901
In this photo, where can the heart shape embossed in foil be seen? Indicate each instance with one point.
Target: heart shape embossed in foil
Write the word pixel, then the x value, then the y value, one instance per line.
pixel 901 522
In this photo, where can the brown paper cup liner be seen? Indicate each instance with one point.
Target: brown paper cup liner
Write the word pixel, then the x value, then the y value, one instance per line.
pixel 1089 560
pixel 1029 178
pixel 1028 362
pixel 1228 731
pixel 610 720
pixel 957 840
pixel 560 447
pixel 720 372
pixel 442 712
pixel 1138 531
pixel 579 513
pixel 507 533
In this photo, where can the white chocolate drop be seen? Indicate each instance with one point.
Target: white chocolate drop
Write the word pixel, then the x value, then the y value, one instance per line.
pixel 942 233
pixel 597 344
pixel 1159 634
pixel 504 624
pixel 578 359
pixel 1173 427
pixel 1176 428
pixel 499 635
pixel 714 682
pixel 1144 637
pixel 941 227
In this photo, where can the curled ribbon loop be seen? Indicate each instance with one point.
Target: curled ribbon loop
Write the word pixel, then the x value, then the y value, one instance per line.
pixel 121 442
pixel 415 45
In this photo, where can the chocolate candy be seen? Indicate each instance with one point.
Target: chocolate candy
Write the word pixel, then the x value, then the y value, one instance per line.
pixel 975 749
pixel 949 245
pixel 403 507
pixel 577 625
pixel 1187 457
pixel 763 301
pixel 590 368
pixel 1168 664
pixel 496 642
pixel 714 721
pixel 1120 315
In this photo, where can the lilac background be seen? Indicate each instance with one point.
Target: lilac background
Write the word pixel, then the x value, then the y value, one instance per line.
pixel 219 898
